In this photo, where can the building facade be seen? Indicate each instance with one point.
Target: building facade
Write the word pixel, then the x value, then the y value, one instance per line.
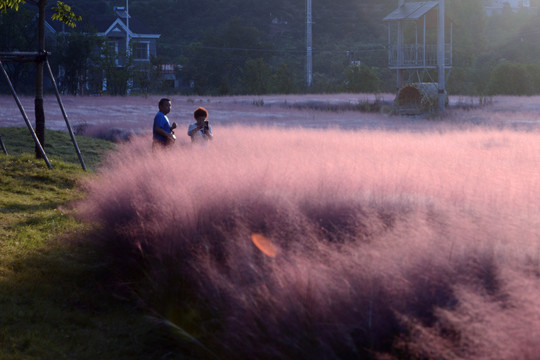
pixel 496 7
pixel 126 36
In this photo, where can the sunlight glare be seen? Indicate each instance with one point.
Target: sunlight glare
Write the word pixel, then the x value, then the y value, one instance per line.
pixel 264 244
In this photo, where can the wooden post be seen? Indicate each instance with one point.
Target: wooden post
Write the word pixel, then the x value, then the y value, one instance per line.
pixel 36 140
pixel 39 112
pixel 65 116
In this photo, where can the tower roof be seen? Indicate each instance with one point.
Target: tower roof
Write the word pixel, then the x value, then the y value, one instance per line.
pixel 411 10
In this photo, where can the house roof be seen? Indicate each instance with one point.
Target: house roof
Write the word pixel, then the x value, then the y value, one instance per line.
pixel 411 10
pixel 102 23
pixel 119 28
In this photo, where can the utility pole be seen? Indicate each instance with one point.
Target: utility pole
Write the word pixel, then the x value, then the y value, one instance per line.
pixel 441 57
pixel 309 55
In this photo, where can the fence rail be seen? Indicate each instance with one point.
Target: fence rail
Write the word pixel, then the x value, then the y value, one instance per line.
pixel 414 56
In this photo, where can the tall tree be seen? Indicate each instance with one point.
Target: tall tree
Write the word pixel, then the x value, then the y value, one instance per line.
pixel 75 53
pixel 63 13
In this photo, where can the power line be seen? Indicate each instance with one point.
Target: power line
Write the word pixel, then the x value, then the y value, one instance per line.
pixel 292 51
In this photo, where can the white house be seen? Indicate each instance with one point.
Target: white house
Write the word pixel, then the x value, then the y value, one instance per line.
pixel 121 30
pixel 494 7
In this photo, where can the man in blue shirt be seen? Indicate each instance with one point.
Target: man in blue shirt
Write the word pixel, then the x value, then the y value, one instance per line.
pixel 163 130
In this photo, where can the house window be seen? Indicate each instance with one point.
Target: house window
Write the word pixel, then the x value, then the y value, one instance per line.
pixel 113 50
pixel 142 50
pixel 113 47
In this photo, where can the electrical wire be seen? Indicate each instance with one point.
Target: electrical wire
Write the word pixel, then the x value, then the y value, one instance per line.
pixel 291 51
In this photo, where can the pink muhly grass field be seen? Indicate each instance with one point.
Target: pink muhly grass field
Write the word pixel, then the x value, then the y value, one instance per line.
pixel 371 244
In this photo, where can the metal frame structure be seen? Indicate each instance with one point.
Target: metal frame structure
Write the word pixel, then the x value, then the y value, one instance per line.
pixel 3 146
pixel 411 48
pixel 36 57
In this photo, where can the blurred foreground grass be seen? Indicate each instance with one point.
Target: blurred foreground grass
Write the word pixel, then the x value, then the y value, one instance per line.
pixel 55 300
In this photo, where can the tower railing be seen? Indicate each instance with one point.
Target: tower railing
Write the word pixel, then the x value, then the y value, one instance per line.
pixel 414 56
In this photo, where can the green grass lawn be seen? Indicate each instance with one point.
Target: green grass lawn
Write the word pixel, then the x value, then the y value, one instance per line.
pixel 56 298
pixel 58 146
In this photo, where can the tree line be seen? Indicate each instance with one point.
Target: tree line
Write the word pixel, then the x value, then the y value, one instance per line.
pixel 253 47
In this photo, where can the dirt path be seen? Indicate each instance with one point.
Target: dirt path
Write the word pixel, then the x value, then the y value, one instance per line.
pixel 135 114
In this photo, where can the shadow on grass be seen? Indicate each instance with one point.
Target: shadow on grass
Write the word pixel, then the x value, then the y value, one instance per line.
pixel 57 303
pixel 55 298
